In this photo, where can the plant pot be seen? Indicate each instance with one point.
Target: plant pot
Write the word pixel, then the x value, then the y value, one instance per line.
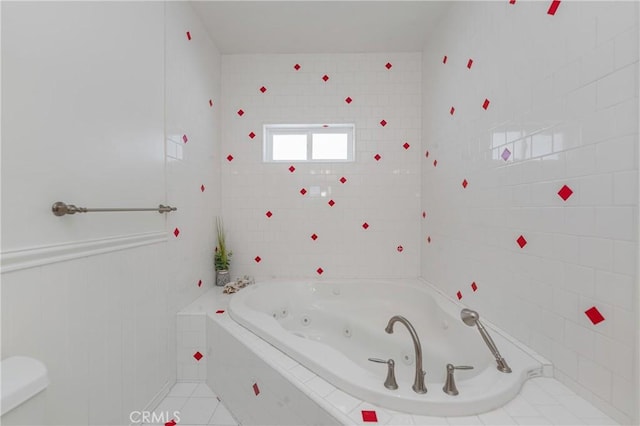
pixel 222 277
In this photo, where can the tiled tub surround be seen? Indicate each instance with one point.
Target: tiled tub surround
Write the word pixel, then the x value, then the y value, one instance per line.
pixel 547 222
pixel 323 219
pixel 328 327
pixel 191 344
pixel 261 385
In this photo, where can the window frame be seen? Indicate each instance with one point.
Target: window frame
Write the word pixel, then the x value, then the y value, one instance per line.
pixel 269 130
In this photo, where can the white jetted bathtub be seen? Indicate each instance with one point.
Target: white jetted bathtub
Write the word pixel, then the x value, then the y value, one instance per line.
pixel 332 328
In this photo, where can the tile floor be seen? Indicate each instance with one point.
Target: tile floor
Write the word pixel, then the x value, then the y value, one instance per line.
pixel 542 401
pixel 196 405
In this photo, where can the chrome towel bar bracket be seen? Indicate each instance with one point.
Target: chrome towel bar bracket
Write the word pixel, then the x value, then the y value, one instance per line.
pixel 60 209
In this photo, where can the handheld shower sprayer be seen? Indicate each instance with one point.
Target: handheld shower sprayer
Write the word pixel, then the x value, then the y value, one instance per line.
pixel 472 318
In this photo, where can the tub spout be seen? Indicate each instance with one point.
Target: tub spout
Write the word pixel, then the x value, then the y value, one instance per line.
pixel 418 383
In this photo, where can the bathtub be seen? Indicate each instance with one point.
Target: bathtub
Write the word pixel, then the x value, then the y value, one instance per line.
pixel 333 327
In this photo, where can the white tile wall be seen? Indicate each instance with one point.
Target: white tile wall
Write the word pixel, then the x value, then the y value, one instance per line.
pixel 566 108
pixel 192 175
pixel 383 193
pixel 191 340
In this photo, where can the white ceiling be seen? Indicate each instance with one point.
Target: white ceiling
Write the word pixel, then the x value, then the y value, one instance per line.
pixel 319 26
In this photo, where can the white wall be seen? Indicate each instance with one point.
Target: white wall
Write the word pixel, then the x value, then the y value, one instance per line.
pixel 563 92
pixel 73 132
pixel 89 92
pixel 384 193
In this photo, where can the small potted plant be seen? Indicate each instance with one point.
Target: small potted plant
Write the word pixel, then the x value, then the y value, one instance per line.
pixel 222 256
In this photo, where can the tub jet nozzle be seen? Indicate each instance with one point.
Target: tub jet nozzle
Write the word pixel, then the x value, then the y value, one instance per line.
pixel 472 318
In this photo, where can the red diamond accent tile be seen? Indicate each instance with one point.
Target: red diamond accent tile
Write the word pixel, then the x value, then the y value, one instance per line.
pixel 319 271
pixel 521 241
pixel 343 179
pixel 565 192
pixel 188 35
pixel 365 225
pixel 444 59
pixel 406 145
pixel 377 157
pixel 314 237
pixel 426 154
pixel 485 104
pixel 435 163
pixel 388 65
pixel 429 240
pixel 383 123
pixel 269 214
pixel 257 259
pixel 325 77
pixel 303 191
pixel 369 416
pixel 470 63
pixel 176 232
pixel 424 215
pixel 170 423
pixel 256 389
pixel 220 311
pixel 553 7
pixel 202 188
pixel 400 249
pixel 185 139
pixel 197 356
pixel 331 203
pixel 263 89
pixel 465 183
pixel 325 125
pixel 240 112
pixel 296 67
pixel 210 103
pixel 594 315
pixel 474 286
pixel 199 283
pixel 229 157
pixel 459 295
pixel 452 110
pixel 512 1
pixel 348 100
pixel 252 135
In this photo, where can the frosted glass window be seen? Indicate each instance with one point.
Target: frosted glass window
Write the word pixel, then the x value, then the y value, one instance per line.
pixel 329 146
pixel 289 147
pixel 309 142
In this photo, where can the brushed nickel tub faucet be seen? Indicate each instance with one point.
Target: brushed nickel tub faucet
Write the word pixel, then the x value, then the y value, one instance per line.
pixel 418 383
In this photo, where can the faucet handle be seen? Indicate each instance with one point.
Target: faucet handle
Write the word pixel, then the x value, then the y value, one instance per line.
pixel 390 381
pixel 450 385
pixel 460 367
